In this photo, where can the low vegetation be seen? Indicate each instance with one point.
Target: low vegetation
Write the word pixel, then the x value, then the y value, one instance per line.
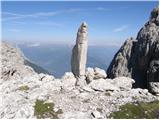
pixel 46 110
pixel 137 111
pixel 24 88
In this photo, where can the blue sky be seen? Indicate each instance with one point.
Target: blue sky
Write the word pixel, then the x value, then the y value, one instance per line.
pixel 110 23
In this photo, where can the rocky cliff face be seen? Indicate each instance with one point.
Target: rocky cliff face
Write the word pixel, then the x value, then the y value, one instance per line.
pixel 27 94
pixel 139 59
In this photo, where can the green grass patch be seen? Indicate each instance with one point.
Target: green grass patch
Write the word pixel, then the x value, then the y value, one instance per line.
pixel 24 88
pixel 46 110
pixel 137 111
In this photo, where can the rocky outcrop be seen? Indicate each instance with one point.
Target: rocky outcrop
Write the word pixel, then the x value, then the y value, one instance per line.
pixel 122 63
pixel 139 59
pixel 95 73
pixel 79 52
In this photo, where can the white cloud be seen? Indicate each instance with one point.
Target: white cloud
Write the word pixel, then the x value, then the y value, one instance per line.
pixel 33 45
pixel 34 15
pixel 121 28
pixel 49 23
pixel 13 16
pixel 102 9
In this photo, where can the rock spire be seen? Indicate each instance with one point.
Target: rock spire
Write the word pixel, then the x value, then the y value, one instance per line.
pixel 79 52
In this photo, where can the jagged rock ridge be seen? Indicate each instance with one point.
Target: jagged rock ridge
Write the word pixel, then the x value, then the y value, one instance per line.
pixel 139 58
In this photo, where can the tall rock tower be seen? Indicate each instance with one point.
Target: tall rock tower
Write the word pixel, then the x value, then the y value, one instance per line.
pixel 79 52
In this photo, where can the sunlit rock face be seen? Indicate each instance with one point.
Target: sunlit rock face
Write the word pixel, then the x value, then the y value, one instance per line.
pixel 79 52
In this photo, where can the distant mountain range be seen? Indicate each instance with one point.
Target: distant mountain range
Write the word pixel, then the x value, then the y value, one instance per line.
pixel 55 59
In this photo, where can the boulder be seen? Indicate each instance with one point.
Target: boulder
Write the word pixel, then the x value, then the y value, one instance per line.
pixel 124 83
pixel 96 73
pixel 99 73
pixel 103 85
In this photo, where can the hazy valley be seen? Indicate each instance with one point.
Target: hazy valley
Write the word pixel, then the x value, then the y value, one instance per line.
pixel 56 58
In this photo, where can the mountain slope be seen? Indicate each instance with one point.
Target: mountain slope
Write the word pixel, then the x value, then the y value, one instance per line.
pixel 35 67
pixel 14 64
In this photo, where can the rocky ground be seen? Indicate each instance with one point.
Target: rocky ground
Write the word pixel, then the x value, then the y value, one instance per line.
pixel 36 95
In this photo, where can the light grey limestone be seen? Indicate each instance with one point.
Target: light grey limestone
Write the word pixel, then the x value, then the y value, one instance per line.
pixel 79 52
